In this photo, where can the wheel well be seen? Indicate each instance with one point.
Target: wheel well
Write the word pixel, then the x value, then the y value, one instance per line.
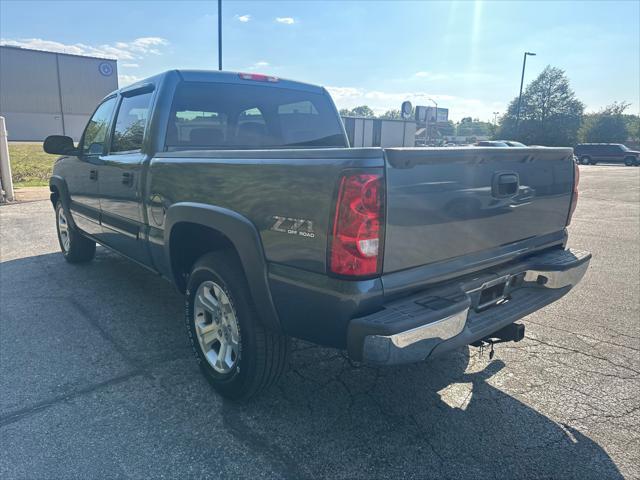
pixel 55 195
pixel 188 242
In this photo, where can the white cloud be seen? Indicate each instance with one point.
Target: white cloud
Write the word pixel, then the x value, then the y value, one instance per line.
pixel 258 65
pixel 359 94
pixel 243 18
pixel 133 50
pixel 124 80
pixel 430 75
pixel 285 20
pixel 130 65
pixel 381 101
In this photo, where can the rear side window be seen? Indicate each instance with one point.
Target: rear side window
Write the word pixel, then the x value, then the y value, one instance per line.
pixel 236 116
pixel 130 123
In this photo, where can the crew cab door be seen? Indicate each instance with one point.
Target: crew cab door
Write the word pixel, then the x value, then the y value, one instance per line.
pixel 82 176
pixel 121 178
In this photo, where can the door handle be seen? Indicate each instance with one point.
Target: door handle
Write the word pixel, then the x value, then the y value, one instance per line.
pixel 127 178
pixel 93 174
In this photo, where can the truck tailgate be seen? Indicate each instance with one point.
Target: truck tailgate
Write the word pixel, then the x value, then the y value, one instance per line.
pixel 444 203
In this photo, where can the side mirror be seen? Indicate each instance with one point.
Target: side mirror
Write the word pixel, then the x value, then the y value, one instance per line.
pixel 59 145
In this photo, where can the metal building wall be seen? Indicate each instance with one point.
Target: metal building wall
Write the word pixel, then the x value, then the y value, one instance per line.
pixel 47 93
pixel 376 132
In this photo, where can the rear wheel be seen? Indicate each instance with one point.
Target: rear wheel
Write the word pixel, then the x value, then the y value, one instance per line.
pixel 237 354
pixel 585 160
pixel 75 247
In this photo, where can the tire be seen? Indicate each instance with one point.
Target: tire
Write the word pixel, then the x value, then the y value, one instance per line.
pixel 629 161
pixel 75 247
pixel 220 316
pixel 585 160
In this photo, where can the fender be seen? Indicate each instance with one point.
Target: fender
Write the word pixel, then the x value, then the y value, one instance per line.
pixel 61 185
pixel 244 237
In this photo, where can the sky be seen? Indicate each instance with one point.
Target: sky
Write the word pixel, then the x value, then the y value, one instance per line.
pixel 466 56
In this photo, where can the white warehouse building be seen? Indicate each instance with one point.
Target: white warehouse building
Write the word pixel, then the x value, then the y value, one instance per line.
pixel 48 93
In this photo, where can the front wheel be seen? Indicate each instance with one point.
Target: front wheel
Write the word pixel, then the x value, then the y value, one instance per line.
pixel 629 161
pixel 75 247
pixel 585 160
pixel 237 354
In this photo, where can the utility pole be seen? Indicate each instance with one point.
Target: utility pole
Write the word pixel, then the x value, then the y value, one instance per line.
pixel 495 118
pixel 219 34
pixel 6 182
pixel 524 64
pixel 436 122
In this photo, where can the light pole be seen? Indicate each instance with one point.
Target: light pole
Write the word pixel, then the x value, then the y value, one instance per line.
pixel 219 34
pixel 524 64
pixel 436 122
pixel 495 118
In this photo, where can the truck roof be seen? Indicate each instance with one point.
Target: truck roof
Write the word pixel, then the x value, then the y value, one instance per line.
pixel 225 77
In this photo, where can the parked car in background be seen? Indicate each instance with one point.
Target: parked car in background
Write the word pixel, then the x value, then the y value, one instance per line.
pixel 491 143
pixel 499 143
pixel 513 143
pixel 592 153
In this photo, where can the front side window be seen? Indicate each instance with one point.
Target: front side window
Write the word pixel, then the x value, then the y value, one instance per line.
pixel 231 116
pixel 130 123
pixel 97 129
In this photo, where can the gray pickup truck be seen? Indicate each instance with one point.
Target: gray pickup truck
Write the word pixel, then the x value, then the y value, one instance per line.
pixel 242 190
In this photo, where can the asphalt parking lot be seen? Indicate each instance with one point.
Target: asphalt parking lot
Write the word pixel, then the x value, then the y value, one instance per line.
pixel 97 379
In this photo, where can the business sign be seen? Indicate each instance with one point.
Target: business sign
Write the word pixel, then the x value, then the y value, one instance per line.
pixel 428 114
pixel 105 69
pixel 443 114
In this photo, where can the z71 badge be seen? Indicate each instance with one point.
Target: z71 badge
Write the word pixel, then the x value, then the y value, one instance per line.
pixel 293 226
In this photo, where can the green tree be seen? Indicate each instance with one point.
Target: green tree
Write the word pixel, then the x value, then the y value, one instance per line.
pixel 633 127
pixel 550 113
pixel 447 129
pixel 361 111
pixel 469 128
pixel 393 114
pixel 607 126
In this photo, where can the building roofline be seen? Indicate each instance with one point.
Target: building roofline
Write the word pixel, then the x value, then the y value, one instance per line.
pixel 15 47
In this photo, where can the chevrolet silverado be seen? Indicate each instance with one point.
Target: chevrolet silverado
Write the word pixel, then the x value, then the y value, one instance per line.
pixel 242 191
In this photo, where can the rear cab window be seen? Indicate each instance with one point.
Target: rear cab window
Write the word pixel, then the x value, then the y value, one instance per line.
pixel 235 116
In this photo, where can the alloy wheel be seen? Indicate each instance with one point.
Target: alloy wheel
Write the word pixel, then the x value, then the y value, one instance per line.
pixel 63 230
pixel 216 327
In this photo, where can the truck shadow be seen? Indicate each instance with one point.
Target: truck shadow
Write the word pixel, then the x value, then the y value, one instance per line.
pixel 441 418
pixel 329 417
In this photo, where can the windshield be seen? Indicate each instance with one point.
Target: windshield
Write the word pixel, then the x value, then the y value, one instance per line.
pixel 624 148
pixel 231 116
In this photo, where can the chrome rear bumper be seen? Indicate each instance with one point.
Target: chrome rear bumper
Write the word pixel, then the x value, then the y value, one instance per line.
pixel 459 313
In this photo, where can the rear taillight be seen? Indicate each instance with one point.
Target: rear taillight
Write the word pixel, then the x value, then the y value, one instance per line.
pixel 574 196
pixel 355 248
